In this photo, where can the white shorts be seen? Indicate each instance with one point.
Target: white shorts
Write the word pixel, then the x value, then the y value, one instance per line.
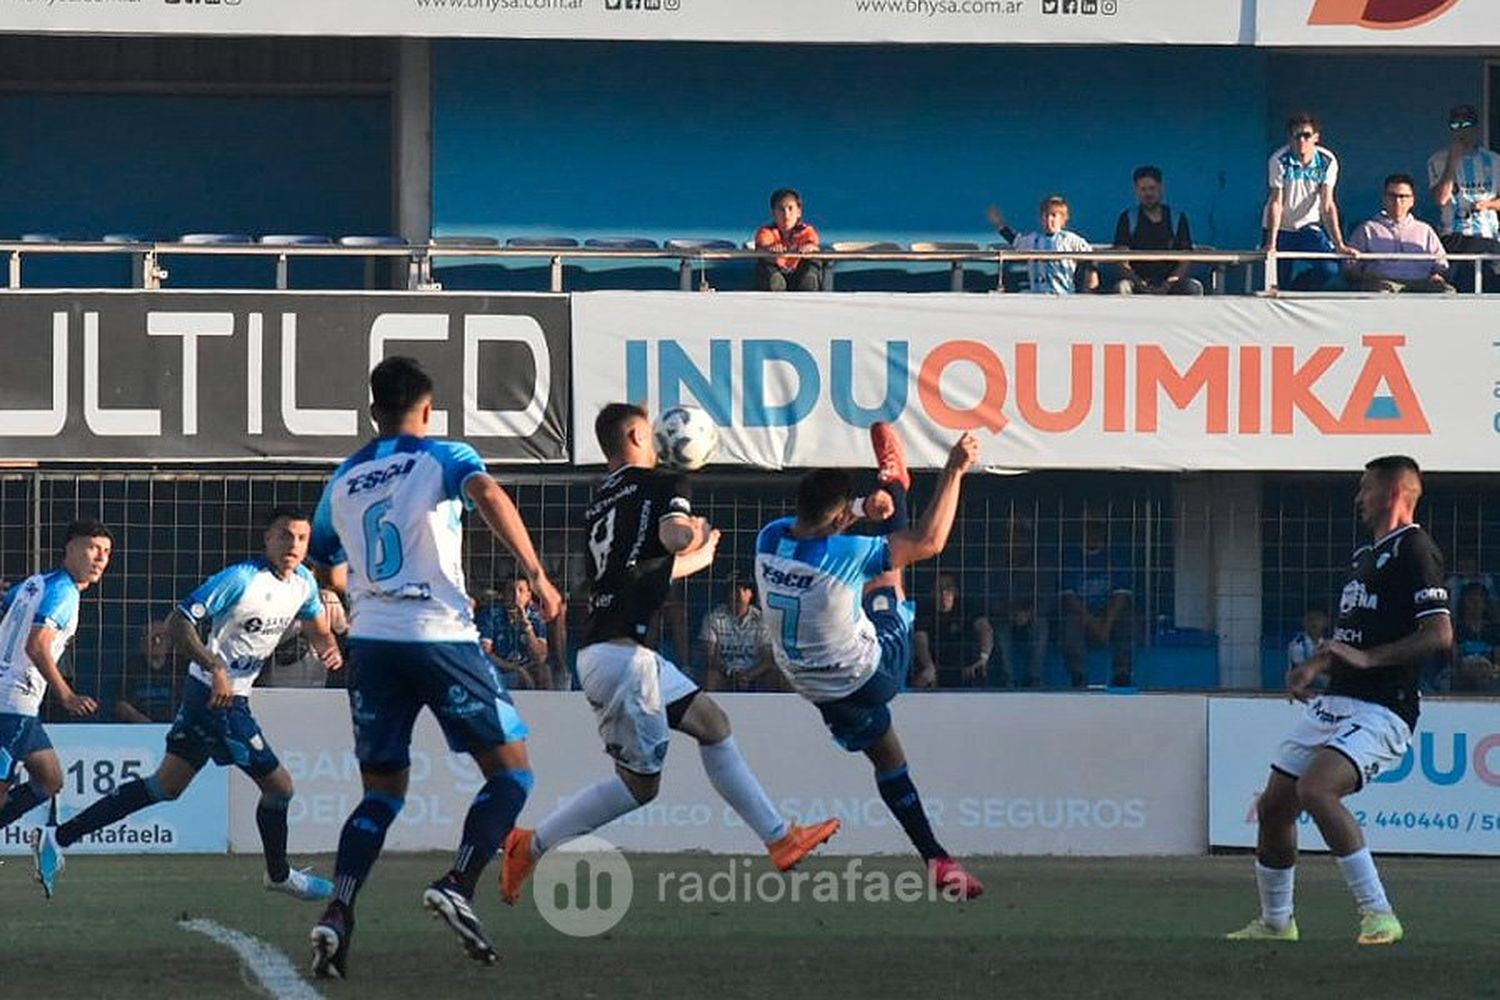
pixel 630 688
pixel 1372 736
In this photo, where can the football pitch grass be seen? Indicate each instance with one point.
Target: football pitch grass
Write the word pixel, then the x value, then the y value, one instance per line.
pixel 1045 928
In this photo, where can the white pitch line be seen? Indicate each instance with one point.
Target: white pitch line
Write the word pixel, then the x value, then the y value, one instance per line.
pixel 268 964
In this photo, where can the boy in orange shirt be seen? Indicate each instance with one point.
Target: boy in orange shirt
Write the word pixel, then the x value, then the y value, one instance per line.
pixel 787 232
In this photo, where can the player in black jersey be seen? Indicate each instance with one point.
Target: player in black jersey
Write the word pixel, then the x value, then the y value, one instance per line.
pixel 642 535
pixel 1393 616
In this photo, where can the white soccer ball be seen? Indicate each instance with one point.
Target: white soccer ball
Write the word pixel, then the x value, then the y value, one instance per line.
pixel 686 438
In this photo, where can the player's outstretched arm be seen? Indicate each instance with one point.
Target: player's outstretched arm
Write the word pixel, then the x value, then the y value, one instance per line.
pixel 929 537
pixel 39 649
pixel 500 513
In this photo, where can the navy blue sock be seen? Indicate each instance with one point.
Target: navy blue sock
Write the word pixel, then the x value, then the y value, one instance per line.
pixel 270 818
pixel 900 517
pixel 360 843
pixel 133 796
pixel 23 799
pixel 902 798
pixel 490 818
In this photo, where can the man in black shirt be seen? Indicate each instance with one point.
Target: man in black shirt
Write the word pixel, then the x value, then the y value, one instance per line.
pixel 1393 615
pixel 952 643
pixel 1150 227
pixel 642 535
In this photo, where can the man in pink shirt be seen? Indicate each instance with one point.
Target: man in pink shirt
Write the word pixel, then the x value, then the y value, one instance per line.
pixel 1397 230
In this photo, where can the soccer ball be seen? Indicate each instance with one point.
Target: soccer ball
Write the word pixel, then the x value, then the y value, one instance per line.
pixel 686 438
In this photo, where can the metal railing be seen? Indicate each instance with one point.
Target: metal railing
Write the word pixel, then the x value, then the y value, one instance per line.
pixel 693 265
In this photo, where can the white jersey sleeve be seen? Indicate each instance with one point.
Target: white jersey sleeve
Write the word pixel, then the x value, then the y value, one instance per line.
pixel 47 600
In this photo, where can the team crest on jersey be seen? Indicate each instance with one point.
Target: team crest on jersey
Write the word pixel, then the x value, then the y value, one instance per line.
pixel 1356 595
pixel 198 610
pixel 256 743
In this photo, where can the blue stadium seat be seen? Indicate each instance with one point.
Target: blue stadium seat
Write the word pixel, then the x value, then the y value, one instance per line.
pixel 41 238
pixel 620 243
pixel 295 240
pixel 214 239
pixel 541 243
pixel 688 245
pixel 465 241
pixel 371 241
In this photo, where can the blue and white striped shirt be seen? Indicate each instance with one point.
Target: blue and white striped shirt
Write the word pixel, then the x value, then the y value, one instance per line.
pixel 1475 179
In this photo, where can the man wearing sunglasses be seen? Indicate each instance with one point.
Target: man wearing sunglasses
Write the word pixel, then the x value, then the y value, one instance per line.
pixel 1301 215
pixel 1464 179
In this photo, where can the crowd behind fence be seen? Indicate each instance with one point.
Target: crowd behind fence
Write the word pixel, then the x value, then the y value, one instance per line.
pixel 1013 549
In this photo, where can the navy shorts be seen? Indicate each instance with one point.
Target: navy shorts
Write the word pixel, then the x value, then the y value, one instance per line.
pixel 20 737
pixel 390 682
pixel 226 736
pixel 857 720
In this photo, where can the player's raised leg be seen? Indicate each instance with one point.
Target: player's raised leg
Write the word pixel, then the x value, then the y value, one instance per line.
pixel 1276 812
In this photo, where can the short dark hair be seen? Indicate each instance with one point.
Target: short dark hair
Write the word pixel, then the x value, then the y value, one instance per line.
pixel 398 385
pixel 610 424
pixel 1297 119
pixel 1053 201
pixel 1389 467
pixel 822 492
pixel 1147 171
pixel 1400 179
pixel 85 528
pixel 289 513
pixel 780 193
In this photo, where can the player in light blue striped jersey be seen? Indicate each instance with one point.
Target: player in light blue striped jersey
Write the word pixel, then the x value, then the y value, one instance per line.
pixel 40 616
pixel 246 608
pixel 841 627
pixel 392 513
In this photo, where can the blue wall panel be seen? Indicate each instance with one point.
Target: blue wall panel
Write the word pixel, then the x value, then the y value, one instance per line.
pixel 907 142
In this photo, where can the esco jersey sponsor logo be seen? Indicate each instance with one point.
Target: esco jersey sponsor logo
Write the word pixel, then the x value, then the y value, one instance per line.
pixel 1246 389
pixel 1387 15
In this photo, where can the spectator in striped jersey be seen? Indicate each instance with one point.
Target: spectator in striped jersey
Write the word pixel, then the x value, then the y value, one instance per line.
pixel 1052 277
pixel 1465 182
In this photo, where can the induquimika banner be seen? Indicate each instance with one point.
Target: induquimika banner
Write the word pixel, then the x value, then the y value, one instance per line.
pixel 1046 382
pixel 1441 799
pixel 233 376
pixel 1201 22
pixel 1386 23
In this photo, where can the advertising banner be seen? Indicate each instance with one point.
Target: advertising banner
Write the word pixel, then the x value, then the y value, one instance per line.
pixel 1202 22
pixel 174 376
pixel 1054 383
pixel 1385 23
pixel 1007 774
pixel 97 759
pixel 1442 799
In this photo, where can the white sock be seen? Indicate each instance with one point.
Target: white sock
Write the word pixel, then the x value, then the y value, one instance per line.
pixel 1276 885
pixel 731 778
pixel 1364 881
pixel 584 813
